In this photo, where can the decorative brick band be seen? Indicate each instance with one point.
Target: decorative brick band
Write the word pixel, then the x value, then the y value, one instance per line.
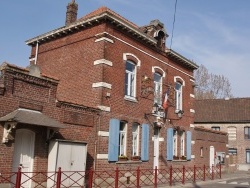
pixel 103 133
pixel 104 108
pixel 161 139
pixel 103 61
pixel 192 110
pixel 102 84
pixel 102 156
pixel 104 39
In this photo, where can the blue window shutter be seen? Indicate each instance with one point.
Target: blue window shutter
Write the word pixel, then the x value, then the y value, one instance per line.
pixel 145 143
pixel 114 127
pixel 170 134
pixel 189 144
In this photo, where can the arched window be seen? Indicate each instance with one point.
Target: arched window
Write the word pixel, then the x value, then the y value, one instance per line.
pixel 130 79
pixel 157 88
pixel 178 95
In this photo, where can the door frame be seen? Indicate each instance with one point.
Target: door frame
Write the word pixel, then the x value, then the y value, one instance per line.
pixel 211 157
pixel 18 152
pixel 156 147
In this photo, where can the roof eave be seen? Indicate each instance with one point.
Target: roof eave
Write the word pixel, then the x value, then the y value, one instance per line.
pixel 171 53
pixel 88 22
pixel 224 122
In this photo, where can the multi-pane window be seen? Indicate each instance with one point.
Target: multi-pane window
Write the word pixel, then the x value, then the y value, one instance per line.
pixel 157 88
pixel 175 136
pixel 135 139
pixel 220 157
pixel 182 143
pixel 122 138
pixel 248 156
pixel 231 133
pixel 130 79
pixel 247 132
pixel 178 95
pixel 216 128
pixel 173 144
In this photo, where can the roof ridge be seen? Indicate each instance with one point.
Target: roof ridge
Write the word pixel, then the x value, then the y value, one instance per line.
pixel 104 9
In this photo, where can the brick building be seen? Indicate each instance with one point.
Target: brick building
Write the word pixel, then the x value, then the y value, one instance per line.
pixel 108 87
pixel 233 117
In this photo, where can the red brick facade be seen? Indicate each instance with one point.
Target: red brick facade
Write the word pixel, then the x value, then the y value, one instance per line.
pixel 87 60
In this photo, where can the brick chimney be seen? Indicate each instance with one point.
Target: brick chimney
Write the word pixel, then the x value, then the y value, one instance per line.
pixel 71 14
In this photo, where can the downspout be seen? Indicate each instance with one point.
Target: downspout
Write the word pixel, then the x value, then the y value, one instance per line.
pixel 36 52
pixel 97 140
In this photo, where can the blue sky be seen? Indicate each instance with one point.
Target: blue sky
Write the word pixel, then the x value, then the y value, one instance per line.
pixel 215 33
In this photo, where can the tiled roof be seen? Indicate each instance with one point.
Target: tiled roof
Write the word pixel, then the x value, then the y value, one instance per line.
pixel 31 117
pixel 104 13
pixel 236 110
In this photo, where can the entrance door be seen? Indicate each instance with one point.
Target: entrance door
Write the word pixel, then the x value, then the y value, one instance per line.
pixel 24 154
pixel 156 148
pixel 211 157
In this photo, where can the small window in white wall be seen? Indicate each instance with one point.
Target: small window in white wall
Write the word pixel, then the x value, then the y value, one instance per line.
pixel 178 95
pixel 122 138
pixel 130 79
pixel 135 139
pixel 232 151
pixel 216 128
pixel 157 88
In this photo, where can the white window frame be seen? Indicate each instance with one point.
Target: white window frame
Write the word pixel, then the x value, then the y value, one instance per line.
pixel 135 139
pixel 130 85
pixel 215 128
pixel 232 151
pixel 248 156
pixel 159 71
pixel 247 133
pixel 178 79
pixel 175 143
pixel 178 96
pixel 158 89
pixel 182 148
pixel 123 138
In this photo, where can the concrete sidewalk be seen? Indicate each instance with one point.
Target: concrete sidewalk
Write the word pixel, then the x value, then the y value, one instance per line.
pixel 224 177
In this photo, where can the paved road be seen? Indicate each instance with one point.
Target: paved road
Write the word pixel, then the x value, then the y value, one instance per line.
pixel 236 180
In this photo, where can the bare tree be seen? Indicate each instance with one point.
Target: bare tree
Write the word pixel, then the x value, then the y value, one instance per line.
pixel 211 86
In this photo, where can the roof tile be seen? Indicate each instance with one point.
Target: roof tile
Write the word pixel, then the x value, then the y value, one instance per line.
pixel 222 110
